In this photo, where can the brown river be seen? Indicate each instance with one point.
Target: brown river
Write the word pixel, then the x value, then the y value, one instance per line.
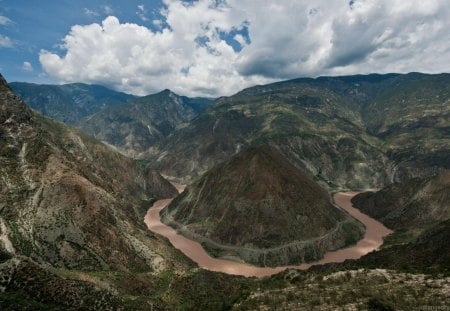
pixel 373 239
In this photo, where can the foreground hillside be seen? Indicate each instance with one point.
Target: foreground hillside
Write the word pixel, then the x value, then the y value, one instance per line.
pixel 354 132
pixel 68 200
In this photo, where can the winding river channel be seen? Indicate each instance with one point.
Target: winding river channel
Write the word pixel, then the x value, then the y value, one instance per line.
pixel 373 239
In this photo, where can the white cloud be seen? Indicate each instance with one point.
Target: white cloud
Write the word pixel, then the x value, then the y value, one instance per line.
pixel 240 38
pixel 26 66
pixel 5 42
pixel 192 52
pixel 304 38
pixel 90 13
pixel 158 23
pixel 135 59
pixel 142 12
pixel 5 20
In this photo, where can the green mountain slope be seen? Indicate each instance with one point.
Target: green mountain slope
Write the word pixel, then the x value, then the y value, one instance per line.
pixel 411 115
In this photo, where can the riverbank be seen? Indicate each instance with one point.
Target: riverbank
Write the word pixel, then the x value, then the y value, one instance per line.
pixel 373 239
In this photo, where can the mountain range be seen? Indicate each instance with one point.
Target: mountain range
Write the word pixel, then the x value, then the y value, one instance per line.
pixel 69 102
pixel 130 123
pixel 355 132
pixel 260 164
pixel 143 122
pixel 63 194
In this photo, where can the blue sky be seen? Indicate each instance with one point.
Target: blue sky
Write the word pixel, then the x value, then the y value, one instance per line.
pixel 217 47
pixel 36 25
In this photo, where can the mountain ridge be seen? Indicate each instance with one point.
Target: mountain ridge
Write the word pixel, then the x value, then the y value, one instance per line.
pixel 68 102
pixel 326 126
pixel 141 123
pixel 415 203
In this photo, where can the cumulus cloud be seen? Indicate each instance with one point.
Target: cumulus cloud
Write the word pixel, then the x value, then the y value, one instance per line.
pixel 5 42
pixel 339 37
pixel 135 59
pixel 194 51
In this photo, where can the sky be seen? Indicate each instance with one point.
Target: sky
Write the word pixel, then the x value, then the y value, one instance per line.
pixel 217 47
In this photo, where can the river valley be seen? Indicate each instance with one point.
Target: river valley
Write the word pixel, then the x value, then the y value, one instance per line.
pixel 373 239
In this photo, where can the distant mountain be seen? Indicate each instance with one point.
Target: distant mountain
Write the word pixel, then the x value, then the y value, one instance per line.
pixel 69 102
pixel 136 126
pixel 353 132
pixel 260 208
pixel 411 114
pixel 68 200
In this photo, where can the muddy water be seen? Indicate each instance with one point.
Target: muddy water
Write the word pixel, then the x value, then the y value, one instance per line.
pixel 373 239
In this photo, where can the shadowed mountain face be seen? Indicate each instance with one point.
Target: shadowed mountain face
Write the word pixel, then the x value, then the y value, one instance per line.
pixel 136 126
pixel 260 208
pixel 68 200
pixel 348 132
pixel 413 204
pixel 419 211
pixel 68 103
pixel 429 251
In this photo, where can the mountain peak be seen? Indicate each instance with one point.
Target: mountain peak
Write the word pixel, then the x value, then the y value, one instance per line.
pixel 167 92
pixel 261 194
